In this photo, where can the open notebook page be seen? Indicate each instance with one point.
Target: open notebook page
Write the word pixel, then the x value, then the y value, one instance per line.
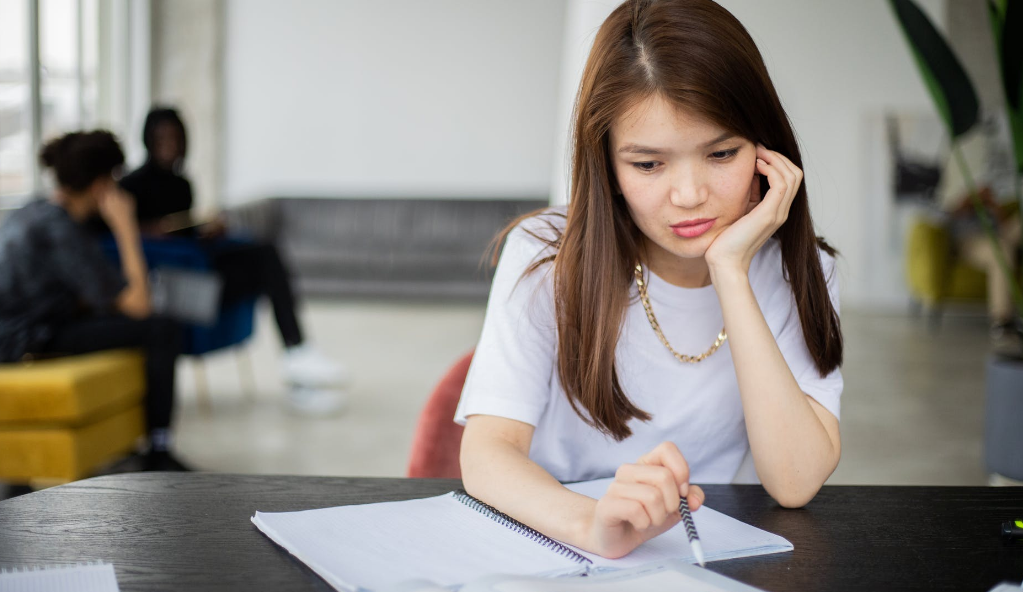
pixel 444 541
pixel 437 539
pixel 722 537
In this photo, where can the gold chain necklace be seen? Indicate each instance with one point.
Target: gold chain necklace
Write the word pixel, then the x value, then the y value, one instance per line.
pixel 641 285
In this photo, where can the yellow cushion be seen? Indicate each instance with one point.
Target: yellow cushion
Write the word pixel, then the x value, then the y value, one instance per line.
pixel 967 283
pixel 72 390
pixel 926 261
pixel 932 274
pixel 67 454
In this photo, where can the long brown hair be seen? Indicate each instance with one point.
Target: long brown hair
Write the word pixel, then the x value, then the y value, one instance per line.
pixel 702 60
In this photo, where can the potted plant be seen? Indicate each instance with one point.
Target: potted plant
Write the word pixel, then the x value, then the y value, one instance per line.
pixel 958 107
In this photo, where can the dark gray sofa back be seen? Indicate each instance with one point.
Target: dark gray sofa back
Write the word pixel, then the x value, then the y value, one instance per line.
pixel 412 248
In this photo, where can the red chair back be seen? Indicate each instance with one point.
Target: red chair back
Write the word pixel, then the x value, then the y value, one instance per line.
pixel 437 438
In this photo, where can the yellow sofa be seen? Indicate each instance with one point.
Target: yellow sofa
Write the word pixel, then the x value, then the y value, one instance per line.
pixel 62 418
pixel 934 275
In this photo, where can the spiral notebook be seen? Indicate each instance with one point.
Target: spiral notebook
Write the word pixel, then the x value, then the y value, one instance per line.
pixel 453 539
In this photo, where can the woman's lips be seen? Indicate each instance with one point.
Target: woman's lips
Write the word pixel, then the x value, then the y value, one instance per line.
pixel 692 228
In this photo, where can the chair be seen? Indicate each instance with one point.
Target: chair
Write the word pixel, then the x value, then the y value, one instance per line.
pixel 933 274
pixel 62 418
pixel 437 437
pixel 234 322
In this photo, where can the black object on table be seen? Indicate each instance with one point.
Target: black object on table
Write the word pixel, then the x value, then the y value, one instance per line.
pixel 191 531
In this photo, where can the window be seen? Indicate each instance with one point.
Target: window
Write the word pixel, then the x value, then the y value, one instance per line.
pixel 15 87
pixel 53 78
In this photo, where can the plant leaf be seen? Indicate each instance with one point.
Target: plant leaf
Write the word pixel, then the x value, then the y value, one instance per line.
pixel 996 14
pixel 1011 44
pixel 1007 26
pixel 950 87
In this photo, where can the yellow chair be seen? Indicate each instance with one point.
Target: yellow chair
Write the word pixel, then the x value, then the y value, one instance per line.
pixel 934 275
pixel 62 418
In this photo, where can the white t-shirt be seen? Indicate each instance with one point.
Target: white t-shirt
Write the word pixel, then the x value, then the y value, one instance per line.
pixel 696 406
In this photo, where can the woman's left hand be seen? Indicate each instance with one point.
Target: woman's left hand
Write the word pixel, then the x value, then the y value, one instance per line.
pixel 733 249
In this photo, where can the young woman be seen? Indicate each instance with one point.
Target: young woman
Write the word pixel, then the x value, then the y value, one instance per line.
pixel 59 295
pixel 679 322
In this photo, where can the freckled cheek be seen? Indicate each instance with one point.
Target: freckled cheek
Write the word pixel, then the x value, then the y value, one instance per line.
pixel 642 196
pixel 735 195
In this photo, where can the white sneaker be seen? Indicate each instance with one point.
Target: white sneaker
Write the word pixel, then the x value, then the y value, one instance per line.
pixel 306 366
pixel 316 402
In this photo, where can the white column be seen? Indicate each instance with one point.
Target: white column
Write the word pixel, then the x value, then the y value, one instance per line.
pixel 582 20
pixel 187 61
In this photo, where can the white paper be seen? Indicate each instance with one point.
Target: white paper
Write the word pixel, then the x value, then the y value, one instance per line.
pixel 438 539
pixel 441 540
pixel 663 581
pixel 96 577
pixel 722 537
pixel 674 576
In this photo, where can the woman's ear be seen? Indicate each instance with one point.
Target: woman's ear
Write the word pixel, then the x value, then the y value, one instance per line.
pixel 756 192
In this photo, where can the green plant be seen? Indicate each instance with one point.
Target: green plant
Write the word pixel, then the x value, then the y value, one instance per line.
pixel 956 100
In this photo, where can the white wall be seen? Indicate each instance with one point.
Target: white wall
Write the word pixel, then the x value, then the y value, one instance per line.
pixel 837 66
pixel 399 98
pixel 186 48
pixel 470 98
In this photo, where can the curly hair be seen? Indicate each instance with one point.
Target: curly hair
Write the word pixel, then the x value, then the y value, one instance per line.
pixel 79 158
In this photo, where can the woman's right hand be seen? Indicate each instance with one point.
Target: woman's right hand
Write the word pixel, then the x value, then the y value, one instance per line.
pixel 642 502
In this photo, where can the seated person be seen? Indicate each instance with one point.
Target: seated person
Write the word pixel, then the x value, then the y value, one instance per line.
pixel 60 295
pixel 984 151
pixel 163 197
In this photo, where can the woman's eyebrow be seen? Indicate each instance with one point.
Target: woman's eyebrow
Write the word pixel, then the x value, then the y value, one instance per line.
pixel 638 149
pixel 719 139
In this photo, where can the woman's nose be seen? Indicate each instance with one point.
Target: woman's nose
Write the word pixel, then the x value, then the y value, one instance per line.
pixel 687 188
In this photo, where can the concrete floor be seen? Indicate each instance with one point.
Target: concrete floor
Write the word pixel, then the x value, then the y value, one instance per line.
pixel 912 409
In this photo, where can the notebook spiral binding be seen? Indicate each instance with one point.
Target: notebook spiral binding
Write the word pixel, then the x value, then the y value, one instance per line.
pixel 506 520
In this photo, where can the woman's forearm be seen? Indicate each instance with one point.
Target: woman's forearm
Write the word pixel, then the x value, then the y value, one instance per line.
pixel 134 299
pixel 499 473
pixel 794 451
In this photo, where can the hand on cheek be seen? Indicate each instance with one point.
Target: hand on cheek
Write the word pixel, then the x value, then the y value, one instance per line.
pixel 733 249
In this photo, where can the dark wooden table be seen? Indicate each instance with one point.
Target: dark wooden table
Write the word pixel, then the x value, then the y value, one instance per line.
pixel 191 531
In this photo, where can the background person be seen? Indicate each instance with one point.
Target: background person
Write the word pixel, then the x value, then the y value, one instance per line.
pixel 163 198
pixel 986 152
pixel 60 295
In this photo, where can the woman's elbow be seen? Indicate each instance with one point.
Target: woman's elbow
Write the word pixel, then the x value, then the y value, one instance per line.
pixel 794 498
pixel 796 491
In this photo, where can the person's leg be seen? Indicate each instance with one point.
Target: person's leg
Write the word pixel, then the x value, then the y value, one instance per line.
pixel 977 250
pixel 159 338
pixel 255 269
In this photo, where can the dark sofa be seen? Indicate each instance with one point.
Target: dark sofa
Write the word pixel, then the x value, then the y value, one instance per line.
pixel 406 248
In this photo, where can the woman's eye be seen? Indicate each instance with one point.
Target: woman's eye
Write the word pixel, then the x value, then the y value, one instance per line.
pixel 724 154
pixel 645 166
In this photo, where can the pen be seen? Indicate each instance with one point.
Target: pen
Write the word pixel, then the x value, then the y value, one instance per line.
pixel 694 539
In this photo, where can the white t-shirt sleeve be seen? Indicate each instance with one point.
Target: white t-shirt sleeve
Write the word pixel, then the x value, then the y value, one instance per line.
pixel 826 390
pixel 511 371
